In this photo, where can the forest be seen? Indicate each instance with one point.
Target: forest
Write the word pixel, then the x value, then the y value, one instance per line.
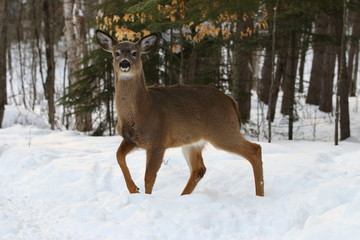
pixel 266 53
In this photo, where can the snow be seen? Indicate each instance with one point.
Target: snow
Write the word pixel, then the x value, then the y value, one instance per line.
pixel 20 115
pixel 66 185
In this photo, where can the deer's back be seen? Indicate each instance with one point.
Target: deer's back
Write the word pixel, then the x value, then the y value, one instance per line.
pixel 195 111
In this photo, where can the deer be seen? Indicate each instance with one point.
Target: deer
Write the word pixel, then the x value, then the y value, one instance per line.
pixel 156 118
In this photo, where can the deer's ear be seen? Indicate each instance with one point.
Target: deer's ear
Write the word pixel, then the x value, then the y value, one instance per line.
pixel 147 43
pixel 105 40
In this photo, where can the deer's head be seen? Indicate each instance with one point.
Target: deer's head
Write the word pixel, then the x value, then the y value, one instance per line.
pixel 126 55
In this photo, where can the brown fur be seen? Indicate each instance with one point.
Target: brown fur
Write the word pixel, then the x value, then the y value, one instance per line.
pixel 157 118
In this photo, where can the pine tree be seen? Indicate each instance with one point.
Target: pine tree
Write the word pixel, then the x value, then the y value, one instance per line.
pixel 94 91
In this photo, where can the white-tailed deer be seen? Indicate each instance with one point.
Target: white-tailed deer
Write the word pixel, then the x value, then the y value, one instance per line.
pixel 157 118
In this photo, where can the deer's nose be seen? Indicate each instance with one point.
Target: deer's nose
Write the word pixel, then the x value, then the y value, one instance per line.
pixel 125 65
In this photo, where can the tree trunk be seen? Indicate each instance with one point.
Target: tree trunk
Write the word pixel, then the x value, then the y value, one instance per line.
pixel 65 115
pixel 74 42
pixel 21 62
pixel 82 51
pixel 171 72
pixel 3 46
pixel 353 51
pixel 293 53
pixel 182 58
pixel 321 29
pixel 242 76
pixel 11 76
pixel 304 47
pixel 266 72
pixel 344 85
pixel 344 106
pixel 274 90
pixel 353 83
pixel 255 69
pixel 192 66
pixel 272 97
pixel 288 84
pixel 37 21
pixel 327 80
pixel 33 74
pixel 49 86
pixel 71 46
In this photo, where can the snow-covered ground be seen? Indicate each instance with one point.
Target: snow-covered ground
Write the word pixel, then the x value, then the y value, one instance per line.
pixel 65 185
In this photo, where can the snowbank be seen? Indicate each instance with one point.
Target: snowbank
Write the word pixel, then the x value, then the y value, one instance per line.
pixel 64 185
pixel 20 115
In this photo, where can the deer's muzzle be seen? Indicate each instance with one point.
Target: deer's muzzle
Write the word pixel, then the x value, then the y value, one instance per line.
pixel 124 65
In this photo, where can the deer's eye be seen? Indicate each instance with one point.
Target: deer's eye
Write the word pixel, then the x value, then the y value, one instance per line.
pixel 117 54
pixel 134 54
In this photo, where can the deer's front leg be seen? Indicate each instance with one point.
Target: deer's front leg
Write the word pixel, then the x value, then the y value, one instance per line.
pixel 121 153
pixel 154 159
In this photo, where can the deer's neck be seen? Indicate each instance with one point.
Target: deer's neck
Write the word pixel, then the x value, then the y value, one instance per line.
pixel 131 97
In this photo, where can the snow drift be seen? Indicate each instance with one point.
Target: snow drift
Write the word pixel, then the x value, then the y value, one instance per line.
pixel 64 185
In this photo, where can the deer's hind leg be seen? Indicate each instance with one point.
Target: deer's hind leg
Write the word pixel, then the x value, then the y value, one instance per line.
pixel 236 143
pixel 193 156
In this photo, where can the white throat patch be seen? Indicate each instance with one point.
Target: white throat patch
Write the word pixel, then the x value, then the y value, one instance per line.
pixel 126 76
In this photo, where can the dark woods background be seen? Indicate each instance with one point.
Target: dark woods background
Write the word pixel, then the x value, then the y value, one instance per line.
pixel 249 49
